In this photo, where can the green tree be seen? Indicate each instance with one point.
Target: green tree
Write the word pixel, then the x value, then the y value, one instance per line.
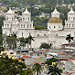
pixel 49 62
pixel 14 4
pixel 22 41
pixel 39 27
pixel 1 40
pixel 29 39
pixel 19 13
pixel 5 2
pixel 10 66
pixel 54 70
pixel 45 45
pixel 37 68
pixel 28 72
pixel 1 48
pixel 1 23
pixel 69 38
pixel 12 41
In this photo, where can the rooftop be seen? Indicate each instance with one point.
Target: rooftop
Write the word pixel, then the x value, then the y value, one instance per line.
pixel 54 20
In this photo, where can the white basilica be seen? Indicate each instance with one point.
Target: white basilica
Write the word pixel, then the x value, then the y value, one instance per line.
pixel 55 33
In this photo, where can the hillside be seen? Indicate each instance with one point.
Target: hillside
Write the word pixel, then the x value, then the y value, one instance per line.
pixel 33 2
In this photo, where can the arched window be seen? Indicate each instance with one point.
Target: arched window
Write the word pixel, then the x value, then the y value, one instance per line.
pixel 24 25
pixel 74 33
pixel 22 33
pixel 28 18
pixel 37 34
pixel 21 25
pixel 69 25
pixel 56 34
pixel 27 26
pixel 49 26
pixel 30 25
pixel 23 18
pixel 44 34
pixel 12 18
pixel 6 33
pixel 72 25
pixel 29 33
pixel 54 26
pixel 7 25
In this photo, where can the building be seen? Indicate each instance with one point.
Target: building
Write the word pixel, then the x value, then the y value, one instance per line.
pixel 54 34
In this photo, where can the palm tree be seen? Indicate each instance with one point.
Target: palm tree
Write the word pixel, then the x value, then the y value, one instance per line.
pixel 29 39
pixel 22 41
pixel 28 72
pixel 37 68
pixel 69 38
pixel 12 41
pixel 54 70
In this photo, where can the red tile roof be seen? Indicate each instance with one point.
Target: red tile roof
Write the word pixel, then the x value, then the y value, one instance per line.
pixel 37 62
pixel 69 74
pixel 25 57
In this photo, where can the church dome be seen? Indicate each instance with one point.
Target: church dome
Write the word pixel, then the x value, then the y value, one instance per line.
pixel 71 11
pixel 55 11
pixel 26 11
pixel 54 20
pixel 10 11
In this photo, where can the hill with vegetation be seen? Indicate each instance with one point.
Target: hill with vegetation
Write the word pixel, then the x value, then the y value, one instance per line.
pixel 33 2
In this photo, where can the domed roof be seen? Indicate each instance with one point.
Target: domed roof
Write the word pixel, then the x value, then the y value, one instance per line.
pixel 55 11
pixel 71 11
pixel 10 11
pixel 54 20
pixel 26 11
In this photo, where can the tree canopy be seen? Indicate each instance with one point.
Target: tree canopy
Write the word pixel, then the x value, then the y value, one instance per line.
pixel 54 70
pixel 8 66
pixel 69 38
pixel 37 68
pixel 49 62
pixel 45 45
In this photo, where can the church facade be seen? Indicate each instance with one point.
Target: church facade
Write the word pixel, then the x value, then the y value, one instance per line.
pixel 55 34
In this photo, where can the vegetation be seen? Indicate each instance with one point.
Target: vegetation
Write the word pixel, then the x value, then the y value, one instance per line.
pixel 33 2
pixel 10 67
pixel 45 45
pixel 1 48
pixel 12 41
pixel 49 62
pixel 29 39
pixel 39 27
pixel 28 72
pixel 69 38
pixel 40 21
pixel 1 40
pixel 37 68
pixel 1 23
pixel 22 41
pixel 54 70
pixel 14 4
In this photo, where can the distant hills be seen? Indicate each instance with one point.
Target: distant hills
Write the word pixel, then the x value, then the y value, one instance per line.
pixel 33 2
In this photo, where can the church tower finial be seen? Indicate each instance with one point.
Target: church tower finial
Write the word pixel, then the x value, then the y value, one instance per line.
pixel 55 13
pixel 10 11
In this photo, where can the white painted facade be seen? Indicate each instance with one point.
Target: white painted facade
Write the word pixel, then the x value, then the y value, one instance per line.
pixel 54 33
